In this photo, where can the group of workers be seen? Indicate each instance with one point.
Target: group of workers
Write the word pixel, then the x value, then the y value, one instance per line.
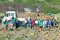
pixel 30 23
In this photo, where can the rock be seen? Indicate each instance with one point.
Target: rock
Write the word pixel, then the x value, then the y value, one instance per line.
pixel 6 39
pixel 32 34
pixel 52 38
pixel 35 36
pixel 58 34
pixel 47 35
pixel 47 32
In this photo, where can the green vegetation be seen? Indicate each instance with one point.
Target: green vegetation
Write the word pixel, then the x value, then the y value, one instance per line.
pixel 8 3
pixel 58 17
pixel 5 36
pixel 2 0
pixel 1 14
pixel 18 38
pixel 18 1
pixel 46 4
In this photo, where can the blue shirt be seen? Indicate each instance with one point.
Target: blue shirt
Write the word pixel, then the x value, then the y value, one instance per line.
pixel 18 23
pixel 30 22
pixel 48 22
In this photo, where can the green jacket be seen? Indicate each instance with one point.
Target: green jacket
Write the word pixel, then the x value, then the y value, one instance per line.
pixel 6 23
pixel 14 21
pixel 40 22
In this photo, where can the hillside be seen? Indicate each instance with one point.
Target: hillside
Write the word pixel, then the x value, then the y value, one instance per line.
pixel 45 6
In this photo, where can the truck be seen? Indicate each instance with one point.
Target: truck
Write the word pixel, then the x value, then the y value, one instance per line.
pixel 9 14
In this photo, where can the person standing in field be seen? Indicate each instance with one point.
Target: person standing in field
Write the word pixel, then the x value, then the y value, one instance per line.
pixel 40 24
pixel 18 24
pixel 33 23
pixel 44 23
pixel 6 25
pixel 26 23
pixel 48 24
pixel 54 23
pixel 13 22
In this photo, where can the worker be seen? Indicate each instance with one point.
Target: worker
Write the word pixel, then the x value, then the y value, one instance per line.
pixel 48 24
pixel 33 23
pixel 6 25
pixel 26 23
pixel 44 23
pixel 13 22
pixel 18 24
pixel 40 24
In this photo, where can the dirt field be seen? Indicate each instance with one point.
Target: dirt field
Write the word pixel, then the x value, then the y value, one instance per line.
pixel 31 34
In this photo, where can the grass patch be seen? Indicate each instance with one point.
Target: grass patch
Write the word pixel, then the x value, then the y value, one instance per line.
pixel 1 14
pixel 5 36
pixel 19 38
pixel 58 16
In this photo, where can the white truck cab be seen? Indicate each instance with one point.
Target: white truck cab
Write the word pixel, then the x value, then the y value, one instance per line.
pixel 8 15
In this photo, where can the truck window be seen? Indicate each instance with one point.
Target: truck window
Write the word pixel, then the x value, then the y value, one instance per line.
pixel 12 14
pixel 7 14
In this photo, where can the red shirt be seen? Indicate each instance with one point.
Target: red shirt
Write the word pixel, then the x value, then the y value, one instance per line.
pixel 33 22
